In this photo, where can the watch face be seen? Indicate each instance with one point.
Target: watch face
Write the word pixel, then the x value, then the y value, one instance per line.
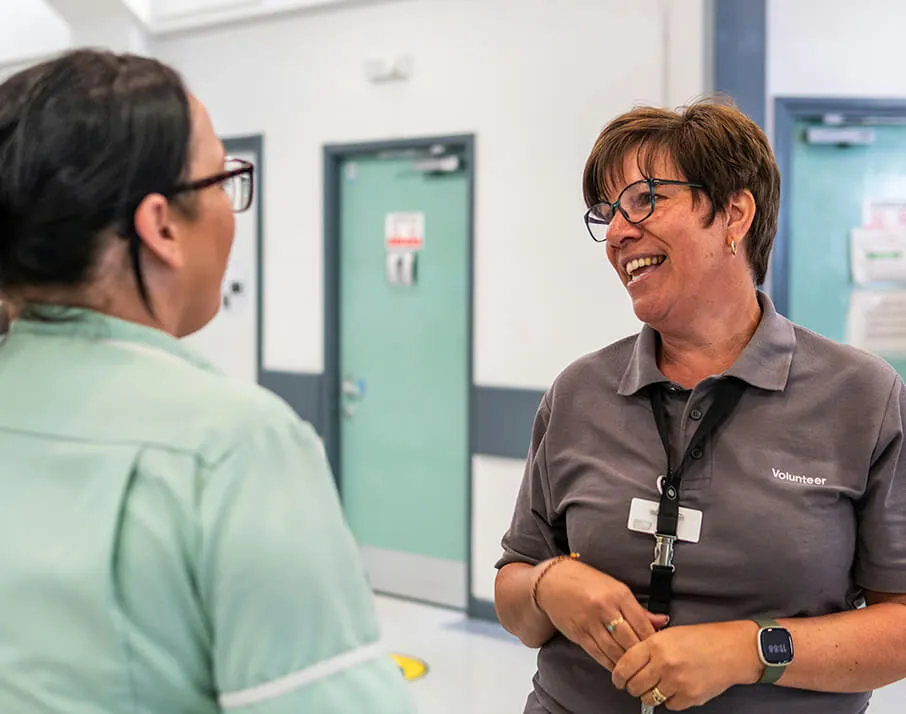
pixel 776 646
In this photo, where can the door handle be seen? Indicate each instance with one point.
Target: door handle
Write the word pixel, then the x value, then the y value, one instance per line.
pixel 352 391
pixel 353 388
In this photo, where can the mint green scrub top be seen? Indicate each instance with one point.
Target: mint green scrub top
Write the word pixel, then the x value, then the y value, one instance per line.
pixel 171 540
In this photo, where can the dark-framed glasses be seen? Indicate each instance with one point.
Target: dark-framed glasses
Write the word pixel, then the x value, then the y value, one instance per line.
pixel 237 180
pixel 635 203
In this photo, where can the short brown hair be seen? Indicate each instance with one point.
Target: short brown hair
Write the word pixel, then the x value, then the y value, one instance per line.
pixel 710 142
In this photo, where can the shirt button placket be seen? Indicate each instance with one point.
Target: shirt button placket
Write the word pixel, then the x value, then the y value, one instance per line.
pixel 695 414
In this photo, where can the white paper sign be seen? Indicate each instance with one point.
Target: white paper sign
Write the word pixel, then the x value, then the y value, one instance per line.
pixel 877 321
pixel 404 231
pixel 884 213
pixel 878 256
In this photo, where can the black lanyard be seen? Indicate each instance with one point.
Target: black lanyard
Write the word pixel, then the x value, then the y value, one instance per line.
pixel 726 396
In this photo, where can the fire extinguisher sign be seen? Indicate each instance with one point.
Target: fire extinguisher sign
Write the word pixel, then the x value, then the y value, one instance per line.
pixel 404 231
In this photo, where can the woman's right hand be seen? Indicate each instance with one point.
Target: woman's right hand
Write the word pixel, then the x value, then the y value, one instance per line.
pixel 581 602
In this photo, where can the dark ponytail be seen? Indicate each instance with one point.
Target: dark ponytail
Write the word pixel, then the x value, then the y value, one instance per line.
pixel 83 139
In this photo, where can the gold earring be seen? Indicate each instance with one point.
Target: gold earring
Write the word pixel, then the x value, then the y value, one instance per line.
pixel 733 246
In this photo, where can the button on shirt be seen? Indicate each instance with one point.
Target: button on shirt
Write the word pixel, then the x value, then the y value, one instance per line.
pixel 802 490
pixel 171 541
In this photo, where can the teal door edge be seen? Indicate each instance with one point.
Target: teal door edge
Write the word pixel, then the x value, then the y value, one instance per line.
pixel 787 111
pixel 404 333
pixel 333 157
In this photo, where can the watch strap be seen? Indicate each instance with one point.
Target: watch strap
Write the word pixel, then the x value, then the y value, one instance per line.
pixel 771 672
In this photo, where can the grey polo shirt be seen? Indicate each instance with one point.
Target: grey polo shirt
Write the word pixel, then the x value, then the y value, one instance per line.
pixel 803 494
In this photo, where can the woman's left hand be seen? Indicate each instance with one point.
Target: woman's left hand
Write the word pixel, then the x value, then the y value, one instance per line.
pixel 690 665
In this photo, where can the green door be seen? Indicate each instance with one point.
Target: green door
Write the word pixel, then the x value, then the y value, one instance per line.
pixel 404 364
pixel 834 187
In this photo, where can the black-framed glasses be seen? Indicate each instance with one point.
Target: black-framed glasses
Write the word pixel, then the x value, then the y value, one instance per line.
pixel 237 180
pixel 635 203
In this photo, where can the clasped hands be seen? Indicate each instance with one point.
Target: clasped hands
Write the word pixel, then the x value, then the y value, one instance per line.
pixel 678 667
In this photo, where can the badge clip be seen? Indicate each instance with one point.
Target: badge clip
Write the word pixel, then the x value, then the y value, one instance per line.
pixel 663 552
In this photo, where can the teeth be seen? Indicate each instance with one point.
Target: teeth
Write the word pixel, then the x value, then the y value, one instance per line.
pixel 634 265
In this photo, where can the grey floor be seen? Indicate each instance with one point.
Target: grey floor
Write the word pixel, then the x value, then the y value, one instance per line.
pixel 478 668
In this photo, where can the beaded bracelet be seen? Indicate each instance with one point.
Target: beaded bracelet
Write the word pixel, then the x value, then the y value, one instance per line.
pixel 544 571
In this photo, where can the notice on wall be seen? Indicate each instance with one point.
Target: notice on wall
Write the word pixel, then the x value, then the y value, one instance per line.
pixel 884 213
pixel 876 321
pixel 404 231
pixel 878 256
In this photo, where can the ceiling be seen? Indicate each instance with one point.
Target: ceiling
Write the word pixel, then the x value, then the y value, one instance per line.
pixel 34 28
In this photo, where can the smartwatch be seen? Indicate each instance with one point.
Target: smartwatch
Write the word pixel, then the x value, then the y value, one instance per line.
pixel 775 649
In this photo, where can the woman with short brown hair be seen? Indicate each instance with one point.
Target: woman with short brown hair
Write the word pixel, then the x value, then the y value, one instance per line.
pixel 712 512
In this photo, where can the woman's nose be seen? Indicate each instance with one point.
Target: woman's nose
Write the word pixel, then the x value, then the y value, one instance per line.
pixel 619 230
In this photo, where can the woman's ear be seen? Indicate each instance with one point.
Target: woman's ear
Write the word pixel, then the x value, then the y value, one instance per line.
pixel 740 213
pixel 158 231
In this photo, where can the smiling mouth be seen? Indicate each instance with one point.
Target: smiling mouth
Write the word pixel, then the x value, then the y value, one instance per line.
pixel 640 267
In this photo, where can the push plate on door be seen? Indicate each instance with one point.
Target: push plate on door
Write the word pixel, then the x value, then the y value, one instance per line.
pixel 401 268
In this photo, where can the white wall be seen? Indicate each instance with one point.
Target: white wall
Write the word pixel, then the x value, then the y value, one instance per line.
pixel 29 28
pixel 110 24
pixel 839 49
pixel 534 80
pixel 495 485
pixel 33 30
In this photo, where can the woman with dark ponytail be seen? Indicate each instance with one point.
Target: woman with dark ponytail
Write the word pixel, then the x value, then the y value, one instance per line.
pixel 170 541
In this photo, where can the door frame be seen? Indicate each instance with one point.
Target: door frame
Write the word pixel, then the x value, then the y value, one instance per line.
pixel 333 157
pixel 254 144
pixel 787 111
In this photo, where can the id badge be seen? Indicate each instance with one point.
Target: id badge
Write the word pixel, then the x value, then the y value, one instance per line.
pixel 643 519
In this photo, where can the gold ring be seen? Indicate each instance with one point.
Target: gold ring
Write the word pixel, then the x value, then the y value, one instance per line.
pixel 657 698
pixel 613 624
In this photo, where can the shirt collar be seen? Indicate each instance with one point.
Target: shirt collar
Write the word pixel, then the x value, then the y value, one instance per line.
pixel 82 323
pixel 764 363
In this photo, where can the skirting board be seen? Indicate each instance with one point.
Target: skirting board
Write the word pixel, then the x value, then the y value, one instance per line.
pixel 418 577
pixel 482 609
